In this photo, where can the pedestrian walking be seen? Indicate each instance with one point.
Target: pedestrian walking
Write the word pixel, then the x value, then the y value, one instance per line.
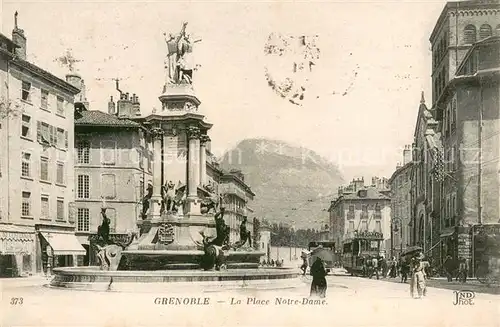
pixel 383 266
pixel 304 265
pixel 463 269
pixel 394 268
pixel 318 284
pixel 448 266
pixel 405 270
pixel 374 268
pixel 418 277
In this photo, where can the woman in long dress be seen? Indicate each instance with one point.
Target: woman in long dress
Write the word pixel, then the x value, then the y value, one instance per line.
pixel 318 285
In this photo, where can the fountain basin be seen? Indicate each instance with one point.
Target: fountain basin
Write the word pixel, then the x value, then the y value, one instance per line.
pixel 91 278
pixel 151 260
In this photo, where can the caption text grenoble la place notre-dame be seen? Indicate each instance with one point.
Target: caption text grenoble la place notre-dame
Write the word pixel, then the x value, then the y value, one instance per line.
pixel 236 301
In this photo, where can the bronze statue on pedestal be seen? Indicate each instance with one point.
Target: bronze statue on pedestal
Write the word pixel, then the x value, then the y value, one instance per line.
pixel 179 63
pixel 109 252
pixel 145 201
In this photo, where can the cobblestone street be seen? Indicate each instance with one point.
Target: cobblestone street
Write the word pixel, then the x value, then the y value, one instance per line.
pixel 350 301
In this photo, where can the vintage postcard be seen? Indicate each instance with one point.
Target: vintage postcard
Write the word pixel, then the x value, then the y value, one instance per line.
pixel 249 163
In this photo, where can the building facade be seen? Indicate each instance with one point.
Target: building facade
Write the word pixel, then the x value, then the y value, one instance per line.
pixel 450 190
pixel 469 116
pixel 236 196
pixel 113 166
pixel 424 223
pixel 36 164
pixel 401 213
pixel 444 138
pixel 361 208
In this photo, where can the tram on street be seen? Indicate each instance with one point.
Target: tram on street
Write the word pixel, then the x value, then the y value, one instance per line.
pixel 358 248
pixel 324 250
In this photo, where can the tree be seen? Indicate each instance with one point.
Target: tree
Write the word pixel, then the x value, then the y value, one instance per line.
pixel 8 108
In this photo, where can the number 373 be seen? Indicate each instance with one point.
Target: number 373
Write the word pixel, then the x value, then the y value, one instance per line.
pixel 16 301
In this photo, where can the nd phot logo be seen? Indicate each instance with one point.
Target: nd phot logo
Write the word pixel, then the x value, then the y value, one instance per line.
pixel 464 297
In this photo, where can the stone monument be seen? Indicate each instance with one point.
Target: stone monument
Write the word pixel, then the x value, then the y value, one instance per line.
pixel 179 208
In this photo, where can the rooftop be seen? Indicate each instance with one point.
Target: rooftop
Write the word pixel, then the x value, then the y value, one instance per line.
pixel 372 193
pixel 100 118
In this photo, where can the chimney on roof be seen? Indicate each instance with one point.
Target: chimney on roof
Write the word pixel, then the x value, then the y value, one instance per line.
pixel 124 106
pixel 358 183
pixel 111 106
pixel 80 99
pixel 19 39
pixel 136 105
pixel 407 154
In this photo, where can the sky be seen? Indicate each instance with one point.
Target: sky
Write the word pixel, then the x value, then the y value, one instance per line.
pixel 377 52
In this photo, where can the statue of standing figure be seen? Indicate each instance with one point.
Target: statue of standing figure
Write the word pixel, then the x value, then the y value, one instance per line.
pixel 179 63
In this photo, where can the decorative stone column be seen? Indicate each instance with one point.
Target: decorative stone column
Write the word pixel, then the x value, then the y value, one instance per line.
pixel 155 202
pixel 193 134
pixel 203 159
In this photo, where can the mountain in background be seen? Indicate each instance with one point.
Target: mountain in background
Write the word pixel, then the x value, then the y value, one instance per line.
pixel 292 184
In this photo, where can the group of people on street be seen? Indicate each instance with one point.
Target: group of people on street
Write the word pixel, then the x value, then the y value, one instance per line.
pixel 272 263
pixel 458 268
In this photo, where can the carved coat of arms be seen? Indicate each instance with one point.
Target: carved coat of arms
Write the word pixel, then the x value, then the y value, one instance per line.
pixel 166 234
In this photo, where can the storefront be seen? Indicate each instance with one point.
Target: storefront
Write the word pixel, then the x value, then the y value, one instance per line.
pixel 58 248
pixel 17 250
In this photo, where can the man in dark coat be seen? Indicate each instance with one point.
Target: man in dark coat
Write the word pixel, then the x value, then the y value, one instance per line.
pixel 318 285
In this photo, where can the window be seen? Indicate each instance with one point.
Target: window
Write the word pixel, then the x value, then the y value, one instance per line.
pixel 141 189
pixel 108 186
pixel 61 141
pixel 60 173
pixel 26 91
pixel 378 211
pixel 378 226
pixel 484 31
pixel 44 211
pixel 26 204
pixel 83 187
pixel 83 152
pixel 60 209
pixel 44 99
pixel 364 225
pixel 453 113
pixel 351 226
pixel 26 126
pixel 44 133
pixel 364 211
pixel 469 34
pixel 60 106
pixel 83 220
pixel 108 152
pixel 26 165
pixel 454 157
pixel 44 169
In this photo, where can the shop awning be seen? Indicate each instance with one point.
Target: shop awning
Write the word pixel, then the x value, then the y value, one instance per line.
pixel 16 239
pixel 64 243
pixel 447 233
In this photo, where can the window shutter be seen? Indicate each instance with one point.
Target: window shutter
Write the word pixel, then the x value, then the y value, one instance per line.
pixel 39 131
pixel 53 135
pixel 66 139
